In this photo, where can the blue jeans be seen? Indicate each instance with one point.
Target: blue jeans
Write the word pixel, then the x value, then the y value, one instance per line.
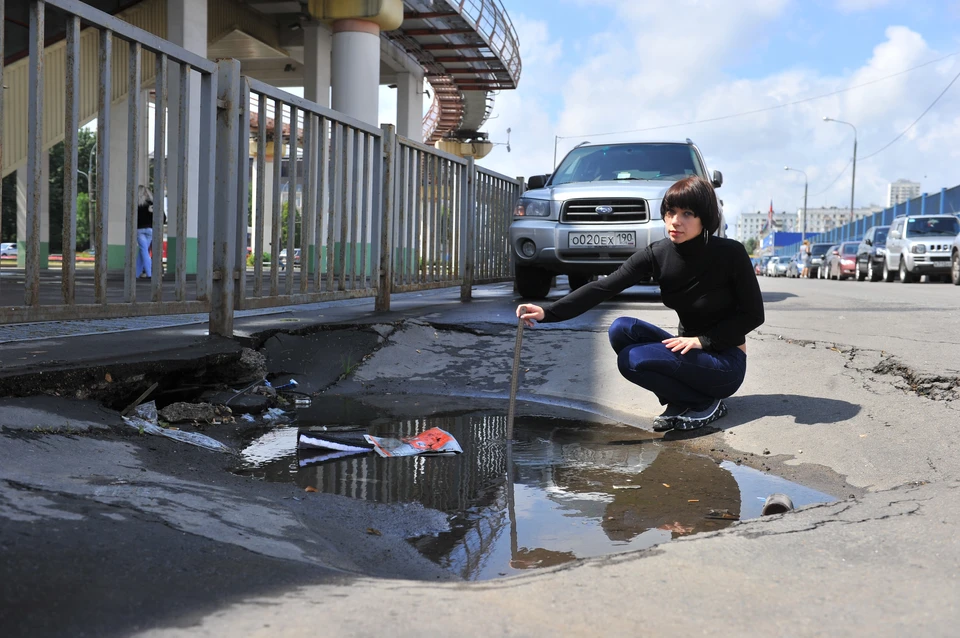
pixel 693 380
pixel 144 263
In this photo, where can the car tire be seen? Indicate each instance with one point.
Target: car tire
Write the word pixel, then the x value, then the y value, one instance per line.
pixel 906 277
pixel 955 269
pixel 861 274
pixel 533 282
pixel 872 272
pixel 888 275
pixel 579 281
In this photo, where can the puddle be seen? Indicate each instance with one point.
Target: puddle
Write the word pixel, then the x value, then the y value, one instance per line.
pixel 576 489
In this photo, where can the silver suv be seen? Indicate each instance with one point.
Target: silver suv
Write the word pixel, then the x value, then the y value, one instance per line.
pixel 601 205
pixel 919 245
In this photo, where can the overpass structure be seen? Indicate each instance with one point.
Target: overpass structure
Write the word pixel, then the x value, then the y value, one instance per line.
pixel 150 74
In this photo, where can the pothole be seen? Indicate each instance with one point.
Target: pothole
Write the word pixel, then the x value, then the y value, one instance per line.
pixel 563 489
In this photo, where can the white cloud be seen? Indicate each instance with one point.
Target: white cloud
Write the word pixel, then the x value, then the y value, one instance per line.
pixel 645 72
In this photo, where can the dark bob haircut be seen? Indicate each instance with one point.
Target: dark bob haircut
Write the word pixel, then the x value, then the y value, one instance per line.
pixel 695 194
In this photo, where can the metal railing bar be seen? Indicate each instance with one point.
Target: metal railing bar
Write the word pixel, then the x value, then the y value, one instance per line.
pixel 309 200
pixel 366 234
pixel 343 195
pixel 28 314
pixel 159 174
pixel 289 271
pixel 105 97
pixel 307 105
pixel 127 31
pixel 258 214
pixel 239 276
pixel 70 158
pixel 35 172
pixel 324 260
pixel 333 206
pixel 277 210
pixel 488 172
pixel 134 100
pixel 183 186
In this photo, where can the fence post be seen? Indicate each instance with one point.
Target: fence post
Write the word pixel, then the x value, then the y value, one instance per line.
pixel 225 208
pixel 389 203
pixel 469 243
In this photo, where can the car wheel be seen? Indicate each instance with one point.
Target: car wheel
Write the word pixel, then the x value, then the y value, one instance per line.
pixel 872 272
pixel 579 281
pixel 861 274
pixel 888 275
pixel 906 276
pixel 955 269
pixel 533 282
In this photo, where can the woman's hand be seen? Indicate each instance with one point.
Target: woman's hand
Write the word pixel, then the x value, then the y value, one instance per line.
pixel 683 344
pixel 529 312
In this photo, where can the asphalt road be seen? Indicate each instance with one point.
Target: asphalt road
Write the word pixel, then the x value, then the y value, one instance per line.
pixel 852 388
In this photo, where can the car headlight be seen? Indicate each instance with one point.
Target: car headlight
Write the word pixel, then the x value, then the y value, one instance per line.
pixel 532 208
pixel 918 249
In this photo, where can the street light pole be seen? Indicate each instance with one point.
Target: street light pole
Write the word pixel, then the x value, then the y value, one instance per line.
pixel 853 182
pixel 803 232
pixel 556 139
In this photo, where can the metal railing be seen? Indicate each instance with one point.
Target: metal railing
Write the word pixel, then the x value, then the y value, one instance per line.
pixel 379 213
pixel 946 201
pixel 493 24
pixel 120 44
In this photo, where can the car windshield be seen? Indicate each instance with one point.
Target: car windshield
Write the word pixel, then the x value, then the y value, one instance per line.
pixel 819 250
pixel 881 235
pixel 933 226
pixel 849 249
pixel 617 162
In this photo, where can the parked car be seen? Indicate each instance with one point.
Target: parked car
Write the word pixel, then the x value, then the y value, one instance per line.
pixel 8 250
pixel 762 266
pixel 843 263
pixel 920 245
pixel 777 266
pixel 795 265
pixel 955 261
pixel 601 205
pixel 833 251
pixel 817 252
pixel 870 253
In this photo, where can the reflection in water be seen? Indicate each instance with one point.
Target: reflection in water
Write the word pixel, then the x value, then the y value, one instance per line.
pixel 576 489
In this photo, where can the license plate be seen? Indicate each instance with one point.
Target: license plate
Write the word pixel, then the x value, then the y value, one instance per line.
pixel 604 239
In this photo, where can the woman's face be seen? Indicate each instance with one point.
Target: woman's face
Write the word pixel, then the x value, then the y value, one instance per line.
pixel 682 225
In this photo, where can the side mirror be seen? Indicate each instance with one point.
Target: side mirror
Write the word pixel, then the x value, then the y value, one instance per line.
pixel 537 181
pixel 894 234
pixel 717 179
pixel 868 241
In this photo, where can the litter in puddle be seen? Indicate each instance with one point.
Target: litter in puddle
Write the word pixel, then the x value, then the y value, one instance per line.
pixel 145 421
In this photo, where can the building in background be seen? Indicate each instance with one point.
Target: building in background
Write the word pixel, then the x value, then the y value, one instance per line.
pixel 821 220
pixel 753 225
pixel 901 190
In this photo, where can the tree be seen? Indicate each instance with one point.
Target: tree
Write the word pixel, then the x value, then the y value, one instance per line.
pixel 750 245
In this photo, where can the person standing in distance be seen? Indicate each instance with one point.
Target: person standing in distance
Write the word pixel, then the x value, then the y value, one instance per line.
pixel 711 284
pixel 144 231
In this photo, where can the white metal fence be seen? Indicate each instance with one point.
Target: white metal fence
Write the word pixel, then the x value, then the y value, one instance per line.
pixel 379 213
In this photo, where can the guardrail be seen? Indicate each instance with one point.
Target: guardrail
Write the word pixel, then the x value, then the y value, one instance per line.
pixel 379 214
pixel 121 46
pixel 947 201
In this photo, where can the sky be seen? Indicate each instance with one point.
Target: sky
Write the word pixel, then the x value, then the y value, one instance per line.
pixel 592 67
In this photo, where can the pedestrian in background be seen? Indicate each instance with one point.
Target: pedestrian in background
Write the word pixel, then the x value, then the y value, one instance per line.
pixel 709 281
pixel 806 259
pixel 144 231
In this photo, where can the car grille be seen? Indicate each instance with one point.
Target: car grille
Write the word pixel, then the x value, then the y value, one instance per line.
pixel 584 211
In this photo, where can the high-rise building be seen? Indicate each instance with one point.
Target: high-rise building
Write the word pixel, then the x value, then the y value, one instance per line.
pixel 901 190
pixel 821 220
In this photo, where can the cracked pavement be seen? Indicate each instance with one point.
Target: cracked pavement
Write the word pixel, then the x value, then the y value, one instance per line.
pixel 851 389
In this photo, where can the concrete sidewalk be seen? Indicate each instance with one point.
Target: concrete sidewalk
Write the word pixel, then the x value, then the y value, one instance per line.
pixel 833 409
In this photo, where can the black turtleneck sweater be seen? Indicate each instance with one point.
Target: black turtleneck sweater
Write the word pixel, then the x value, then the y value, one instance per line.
pixel 711 285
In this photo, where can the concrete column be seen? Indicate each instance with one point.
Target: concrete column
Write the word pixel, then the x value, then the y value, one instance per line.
pixel 187 27
pixel 410 106
pixel 21 197
pixel 317 48
pixel 116 221
pixel 356 69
